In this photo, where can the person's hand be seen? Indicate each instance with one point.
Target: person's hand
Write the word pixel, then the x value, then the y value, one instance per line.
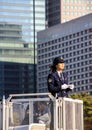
pixel 64 86
pixel 71 86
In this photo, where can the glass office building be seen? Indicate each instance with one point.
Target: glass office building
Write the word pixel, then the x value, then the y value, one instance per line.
pixel 19 22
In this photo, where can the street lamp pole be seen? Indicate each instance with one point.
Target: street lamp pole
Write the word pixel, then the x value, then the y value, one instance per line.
pixel 34 45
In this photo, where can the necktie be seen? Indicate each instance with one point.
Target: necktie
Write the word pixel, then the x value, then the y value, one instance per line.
pixel 61 76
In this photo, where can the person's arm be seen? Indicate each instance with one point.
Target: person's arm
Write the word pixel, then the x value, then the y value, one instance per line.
pixel 53 84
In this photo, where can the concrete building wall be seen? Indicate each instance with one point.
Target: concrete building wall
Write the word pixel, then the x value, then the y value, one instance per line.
pixel 73 41
pixel 60 11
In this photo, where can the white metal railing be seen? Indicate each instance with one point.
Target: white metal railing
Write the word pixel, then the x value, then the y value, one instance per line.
pixel 59 114
pixel 1 115
pixel 68 114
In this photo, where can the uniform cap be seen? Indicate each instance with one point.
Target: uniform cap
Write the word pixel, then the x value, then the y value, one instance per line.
pixel 58 60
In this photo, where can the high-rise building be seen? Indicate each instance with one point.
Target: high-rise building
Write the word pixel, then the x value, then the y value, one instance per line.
pixel 59 11
pixel 73 41
pixel 19 22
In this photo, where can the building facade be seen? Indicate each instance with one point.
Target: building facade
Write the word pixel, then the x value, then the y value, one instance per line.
pixel 53 12
pixel 59 11
pixel 19 22
pixel 73 41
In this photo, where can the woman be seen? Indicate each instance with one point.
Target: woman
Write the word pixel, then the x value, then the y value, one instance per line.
pixel 57 79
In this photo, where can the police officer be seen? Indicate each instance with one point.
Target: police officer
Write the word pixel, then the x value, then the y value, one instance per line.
pixel 57 80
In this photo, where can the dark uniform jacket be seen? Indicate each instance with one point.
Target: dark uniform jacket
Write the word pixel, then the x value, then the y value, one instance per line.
pixel 55 82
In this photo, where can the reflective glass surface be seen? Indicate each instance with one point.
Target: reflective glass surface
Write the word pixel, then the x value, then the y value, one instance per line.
pixel 19 21
pixel 17 28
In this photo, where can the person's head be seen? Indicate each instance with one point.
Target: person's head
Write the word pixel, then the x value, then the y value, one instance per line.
pixel 58 64
pixel 40 106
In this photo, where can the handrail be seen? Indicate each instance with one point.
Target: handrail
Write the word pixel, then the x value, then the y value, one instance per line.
pixel 29 94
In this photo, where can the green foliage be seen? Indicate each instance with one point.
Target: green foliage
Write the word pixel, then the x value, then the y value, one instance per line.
pixel 87 108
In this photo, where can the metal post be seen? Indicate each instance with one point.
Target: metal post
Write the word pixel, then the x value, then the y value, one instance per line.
pixel 82 116
pixel 73 114
pixel 64 116
pixel 3 114
pixel 7 116
pixel 56 114
pixel 11 112
pixel 55 117
pixel 35 89
pixel 31 112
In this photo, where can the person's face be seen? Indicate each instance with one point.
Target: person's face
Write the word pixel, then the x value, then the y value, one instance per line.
pixel 60 66
pixel 40 106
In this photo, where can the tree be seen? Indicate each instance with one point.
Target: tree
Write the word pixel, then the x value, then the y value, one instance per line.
pixel 87 108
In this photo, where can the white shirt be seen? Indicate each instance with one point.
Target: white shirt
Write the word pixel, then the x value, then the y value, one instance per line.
pixel 59 73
